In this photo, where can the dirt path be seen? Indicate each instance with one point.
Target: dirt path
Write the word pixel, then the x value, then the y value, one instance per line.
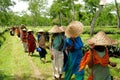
pixel 37 73
pixel 16 45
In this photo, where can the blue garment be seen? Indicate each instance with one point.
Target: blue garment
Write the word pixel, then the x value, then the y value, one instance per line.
pixel 38 49
pixel 38 37
pixel 74 58
pixel 78 44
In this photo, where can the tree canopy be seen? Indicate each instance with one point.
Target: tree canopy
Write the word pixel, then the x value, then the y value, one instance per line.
pixel 61 12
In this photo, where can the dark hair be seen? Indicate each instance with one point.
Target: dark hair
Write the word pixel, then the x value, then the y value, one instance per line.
pixel 30 32
pixel 23 26
pixel 55 34
pixel 100 48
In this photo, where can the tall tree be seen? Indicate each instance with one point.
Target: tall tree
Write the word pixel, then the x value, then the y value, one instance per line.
pixel 107 16
pixel 118 15
pixel 4 8
pixel 56 11
pixel 93 8
pixel 64 11
pixel 94 19
pixel 73 10
pixel 37 9
pixel 91 5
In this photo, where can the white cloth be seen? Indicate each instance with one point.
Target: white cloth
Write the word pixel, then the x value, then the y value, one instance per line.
pixel 57 62
pixel 25 46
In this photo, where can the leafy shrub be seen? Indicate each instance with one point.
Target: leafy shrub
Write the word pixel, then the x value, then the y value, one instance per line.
pixel 114 51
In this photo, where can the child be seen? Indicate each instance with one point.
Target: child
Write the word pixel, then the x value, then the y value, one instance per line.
pixel 42 45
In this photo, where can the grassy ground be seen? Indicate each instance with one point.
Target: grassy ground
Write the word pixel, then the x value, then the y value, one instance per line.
pixel 15 64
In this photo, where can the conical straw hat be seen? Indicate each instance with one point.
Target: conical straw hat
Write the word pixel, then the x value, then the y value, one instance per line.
pixel 62 28
pixel 101 39
pixel 41 30
pixel 74 29
pixel 55 29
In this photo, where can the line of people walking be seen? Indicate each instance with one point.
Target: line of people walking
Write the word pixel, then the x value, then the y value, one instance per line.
pixel 66 51
pixel 29 42
pixel 67 54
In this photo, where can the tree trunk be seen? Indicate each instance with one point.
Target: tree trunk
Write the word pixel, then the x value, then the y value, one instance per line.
pixel 94 19
pixel 73 10
pixel 118 16
pixel 60 18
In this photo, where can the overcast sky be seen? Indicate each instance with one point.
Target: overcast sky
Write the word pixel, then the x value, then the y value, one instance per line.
pixel 20 5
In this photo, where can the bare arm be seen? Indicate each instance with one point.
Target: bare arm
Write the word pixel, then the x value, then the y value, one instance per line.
pixel 90 62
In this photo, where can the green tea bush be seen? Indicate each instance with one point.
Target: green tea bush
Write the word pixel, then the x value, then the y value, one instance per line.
pixel 2 37
pixel 107 30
